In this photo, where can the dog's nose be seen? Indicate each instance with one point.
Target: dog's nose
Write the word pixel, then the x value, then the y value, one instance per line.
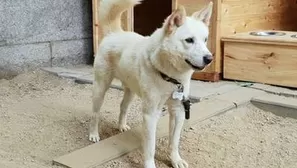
pixel 207 59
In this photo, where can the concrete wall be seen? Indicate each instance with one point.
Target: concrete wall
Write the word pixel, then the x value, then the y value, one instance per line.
pixel 36 33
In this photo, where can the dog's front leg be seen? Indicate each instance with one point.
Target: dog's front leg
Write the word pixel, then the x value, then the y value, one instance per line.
pixel 151 115
pixel 177 117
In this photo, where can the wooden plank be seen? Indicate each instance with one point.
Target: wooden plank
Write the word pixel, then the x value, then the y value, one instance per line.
pixel 174 4
pixel 127 20
pixel 95 5
pixel 207 76
pixel 266 14
pixel 216 34
pixel 118 145
pixel 264 63
pixel 102 152
pixel 275 40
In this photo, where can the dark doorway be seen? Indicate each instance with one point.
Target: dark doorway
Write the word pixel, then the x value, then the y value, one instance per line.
pixel 150 15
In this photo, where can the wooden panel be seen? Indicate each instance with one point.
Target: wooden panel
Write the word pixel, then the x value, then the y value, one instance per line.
pixel 264 63
pixel 216 33
pixel 95 5
pixel 276 40
pixel 255 14
pixel 207 76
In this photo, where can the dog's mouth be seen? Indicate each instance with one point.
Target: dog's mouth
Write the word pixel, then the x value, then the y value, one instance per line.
pixel 193 66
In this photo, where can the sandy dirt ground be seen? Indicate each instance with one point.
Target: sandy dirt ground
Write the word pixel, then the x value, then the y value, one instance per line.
pixel 43 117
pixel 246 137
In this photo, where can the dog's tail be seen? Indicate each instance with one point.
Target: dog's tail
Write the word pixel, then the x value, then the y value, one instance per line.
pixel 110 12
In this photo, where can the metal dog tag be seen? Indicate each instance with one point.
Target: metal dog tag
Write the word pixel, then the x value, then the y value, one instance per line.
pixel 178 95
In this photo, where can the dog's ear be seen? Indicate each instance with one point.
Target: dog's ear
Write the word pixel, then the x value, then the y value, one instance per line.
pixel 176 19
pixel 204 14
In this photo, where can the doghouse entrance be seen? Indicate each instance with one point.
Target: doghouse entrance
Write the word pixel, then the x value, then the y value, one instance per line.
pixel 150 15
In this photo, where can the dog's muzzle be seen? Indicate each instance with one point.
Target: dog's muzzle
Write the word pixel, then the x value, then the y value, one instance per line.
pixel 193 66
pixel 207 59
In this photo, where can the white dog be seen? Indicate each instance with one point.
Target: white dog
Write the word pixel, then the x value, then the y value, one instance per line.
pixel 157 68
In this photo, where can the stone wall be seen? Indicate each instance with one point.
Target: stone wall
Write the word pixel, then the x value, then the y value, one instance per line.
pixel 35 33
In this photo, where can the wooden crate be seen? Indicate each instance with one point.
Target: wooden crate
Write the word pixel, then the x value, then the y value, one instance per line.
pixel 264 59
pixel 229 17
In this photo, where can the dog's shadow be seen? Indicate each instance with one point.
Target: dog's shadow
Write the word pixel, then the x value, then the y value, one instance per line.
pixel 108 129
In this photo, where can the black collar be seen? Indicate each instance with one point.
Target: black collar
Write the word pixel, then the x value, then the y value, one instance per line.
pixel 169 79
pixel 186 102
pixel 172 80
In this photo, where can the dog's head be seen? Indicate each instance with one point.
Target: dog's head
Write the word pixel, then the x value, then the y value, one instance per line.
pixel 185 38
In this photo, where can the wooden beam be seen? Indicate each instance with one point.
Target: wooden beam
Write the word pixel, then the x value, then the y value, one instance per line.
pixel 95 6
pixel 207 76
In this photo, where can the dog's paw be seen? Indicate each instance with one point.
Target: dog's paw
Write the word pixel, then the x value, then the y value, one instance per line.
pixel 180 164
pixel 124 128
pixel 149 164
pixel 94 137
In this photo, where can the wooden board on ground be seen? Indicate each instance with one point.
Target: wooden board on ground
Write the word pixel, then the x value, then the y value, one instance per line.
pixel 121 144
pixel 102 152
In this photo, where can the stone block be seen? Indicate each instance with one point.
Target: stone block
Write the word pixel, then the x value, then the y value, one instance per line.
pixel 206 109
pixel 71 52
pixel 18 58
pixel 199 89
pixel 278 105
pixel 86 79
pixel 240 96
pixel 276 100
pixel 44 20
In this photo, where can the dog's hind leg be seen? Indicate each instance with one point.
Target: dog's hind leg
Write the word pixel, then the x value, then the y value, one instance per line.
pixel 128 97
pixel 177 117
pixel 101 83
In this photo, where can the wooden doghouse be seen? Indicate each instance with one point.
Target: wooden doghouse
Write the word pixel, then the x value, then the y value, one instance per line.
pixel 229 17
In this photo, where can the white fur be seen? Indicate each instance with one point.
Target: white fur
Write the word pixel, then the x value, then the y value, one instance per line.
pixel 137 60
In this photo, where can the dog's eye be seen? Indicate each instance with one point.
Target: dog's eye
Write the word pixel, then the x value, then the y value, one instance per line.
pixel 205 39
pixel 189 40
